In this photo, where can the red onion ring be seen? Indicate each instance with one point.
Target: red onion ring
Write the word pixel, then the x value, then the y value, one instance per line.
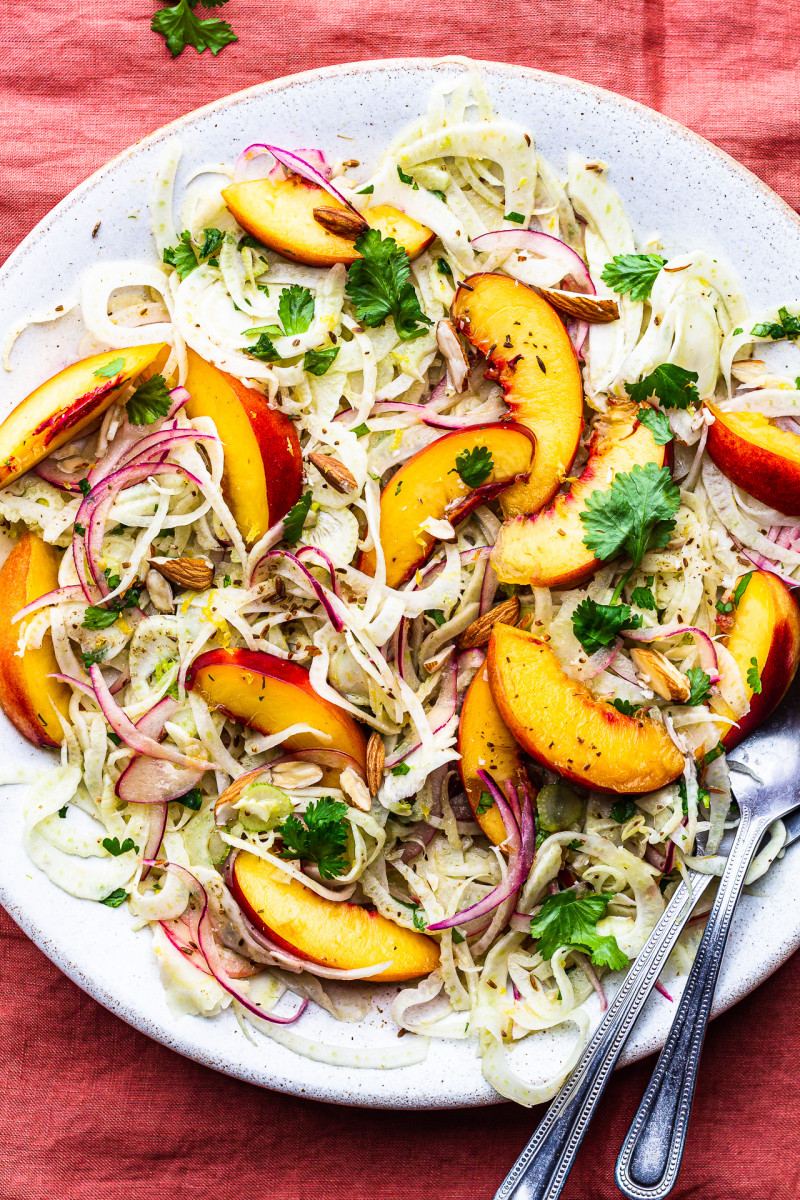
pixel 60 596
pixel 132 736
pixel 320 592
pixel 258 148
pixel 434 420
pixel 766 564
pixel 298 166
pixel 153 781
pixel 511 820
pixel 305 551
pixel 51 473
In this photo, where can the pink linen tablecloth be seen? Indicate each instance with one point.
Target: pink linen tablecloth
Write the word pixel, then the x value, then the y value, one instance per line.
pixel 92 1110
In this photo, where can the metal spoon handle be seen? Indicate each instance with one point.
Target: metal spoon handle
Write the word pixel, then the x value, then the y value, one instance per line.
pixel 651 1155
pixel 541 1170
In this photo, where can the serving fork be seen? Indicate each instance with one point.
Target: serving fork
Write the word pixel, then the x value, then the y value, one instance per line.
pixel 652 1155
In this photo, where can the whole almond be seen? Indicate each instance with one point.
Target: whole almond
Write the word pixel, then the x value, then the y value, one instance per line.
pixel 376 756
pixel 334 473
pixel 477 634
pixel 341 221
pixel 585 308
pixel 192 574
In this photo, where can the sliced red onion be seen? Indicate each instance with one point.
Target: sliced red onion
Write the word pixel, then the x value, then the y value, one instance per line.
pixel 519 865
pixel 765 564
pixel 337 760
pixel 705 646
pixel 511 818
pixel 155 835
pixel 585 964
pixel 418 837
pixel 663 991
pixel 306 551
pixel 122 680
pixel 544 245
pixel 297 165
pixel 402 654
pixel 50 471
pixel 601 660
pixel 434 420
pixel 258 149
pixel 655 858
pixel 78 684
pixel 669 860
pixel 132 736
pixel 320 592
pixel 441 713
pixel 787 424
pixel 164 442
pixel 60 596
pixel 624 669
pixel 488 589
pixel 179 396
pixel 203 936
pixel 152 781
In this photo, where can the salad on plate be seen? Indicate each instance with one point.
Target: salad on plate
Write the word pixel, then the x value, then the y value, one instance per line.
pixel 392 570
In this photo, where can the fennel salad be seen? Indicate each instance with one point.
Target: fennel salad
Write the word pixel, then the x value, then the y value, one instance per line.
pixel 392 570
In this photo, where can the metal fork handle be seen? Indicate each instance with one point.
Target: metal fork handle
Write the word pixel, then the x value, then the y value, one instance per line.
pixel 652 1152
pixel 541 1170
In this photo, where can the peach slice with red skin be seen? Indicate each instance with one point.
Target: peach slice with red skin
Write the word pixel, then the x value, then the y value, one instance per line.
pixel 429 485
pixel 485 743
pixel 565 728
pixel 270 694
pixel 329 932
pixel 766 627
pixel 533 360
pixel 547 548
pixel 281 216
pixel 28 697
pixel 62 407
pixel 263 473
pixel 759 457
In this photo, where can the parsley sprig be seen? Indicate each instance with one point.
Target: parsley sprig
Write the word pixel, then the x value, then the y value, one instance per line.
pixel 700 684
pixel 474 466
pixel 637 513
pixel 633 273
pixel 149 402
pixel 672 386
pixel 566 919
pixel 295 519
pixel 379 286
pixel 597 625
pixel 321 840
pixel 180 27
pixel 786 327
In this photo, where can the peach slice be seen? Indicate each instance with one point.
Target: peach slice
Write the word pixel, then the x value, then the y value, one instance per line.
pixel 28 698
pixel 429 485
pixel 263 473
pixel 547 548
pixel 533 360
pixel 766 627
pixel 270 694
pixel 561 724
pixel 281 216
pixel 335 934
pixel 60 409
pixel 485 743
pixel 758 456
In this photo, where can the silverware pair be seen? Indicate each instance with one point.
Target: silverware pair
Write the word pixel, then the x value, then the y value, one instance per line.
pixel 767 786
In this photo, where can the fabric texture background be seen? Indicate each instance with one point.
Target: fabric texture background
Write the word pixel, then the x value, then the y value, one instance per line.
pixel 91 1108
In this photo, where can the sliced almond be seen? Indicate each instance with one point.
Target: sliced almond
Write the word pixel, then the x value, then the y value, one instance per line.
pixel 585 308
pixel 192 574
pixel 341 221
pixel 748 369
pixel 454 355
pixel 159 591
pixel 438 660
pixel 355 789
pixel 292 775
pixel 477 634
pixel 376 757
pixel 663 676
pixel 334 473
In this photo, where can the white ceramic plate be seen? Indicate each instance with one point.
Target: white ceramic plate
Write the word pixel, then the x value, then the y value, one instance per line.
pixel 672 182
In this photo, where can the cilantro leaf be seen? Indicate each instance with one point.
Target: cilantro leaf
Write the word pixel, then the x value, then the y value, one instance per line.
pixel 436 615
pixel 181 28
pixel 634 515
pixel 622 811
pixel 596 625
pixel 99 618
pixel 753 676
pixel 321 840
pixel 741 587
pixel 263 349
pixel 443 267
pixel 566 919
pixel 474 466
pixel 378 285
pixel 484 804
pixel 192 799
pixel 634 273
pixel 149 402
pixel 643 598
pixel 407 179
pixel 318 362
pixel 117 897
pixel 700 685
pixel 786 326
pixel 295 309
pixel 182 257
pixel 294 520
pixel 361 430
pixel 113 847
pixel 673 387
pixel 92 657
pixel 516 217
pixel 718 750
pixel 212 239
pixel 625 707
pixel 110 369
pixel 401 769
pixel 85 486
pixel 657 422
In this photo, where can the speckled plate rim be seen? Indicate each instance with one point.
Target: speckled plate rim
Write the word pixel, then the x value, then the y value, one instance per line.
pixel 730 990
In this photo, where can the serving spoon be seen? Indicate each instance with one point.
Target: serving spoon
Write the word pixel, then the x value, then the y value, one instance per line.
pixel 773 753
pixel 652 1152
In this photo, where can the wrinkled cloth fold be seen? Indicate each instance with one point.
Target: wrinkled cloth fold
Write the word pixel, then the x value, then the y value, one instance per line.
pixel 91 1108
